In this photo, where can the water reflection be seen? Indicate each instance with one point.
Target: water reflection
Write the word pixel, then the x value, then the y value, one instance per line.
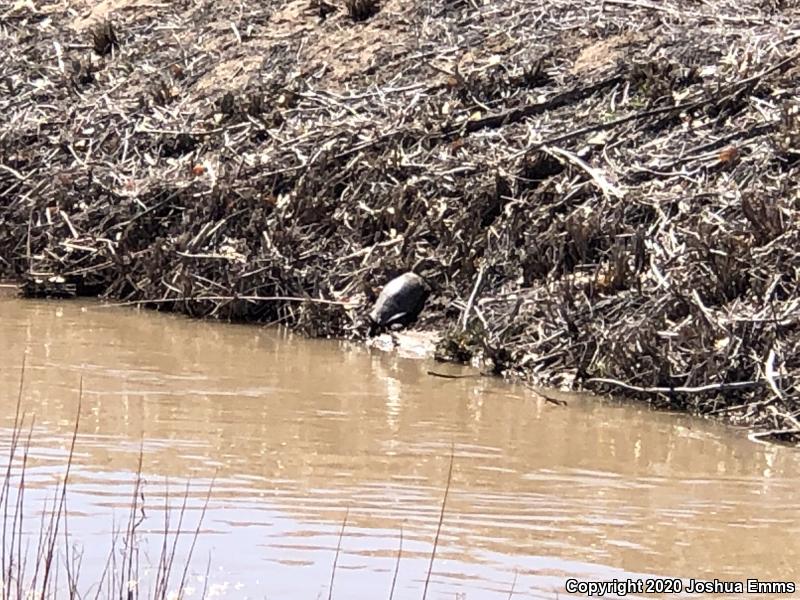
pixel 296 433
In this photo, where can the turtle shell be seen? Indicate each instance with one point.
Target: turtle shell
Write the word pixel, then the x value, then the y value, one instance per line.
pixel 401 301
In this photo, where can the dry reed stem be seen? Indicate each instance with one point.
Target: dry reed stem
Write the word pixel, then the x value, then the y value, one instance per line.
pixel 61 510
pixel 51 578
pixel 396 565
pixel 513 584
pixel 7 561
pixel 338 549
pixel 130 550
pixel 195 536
pixel 441 520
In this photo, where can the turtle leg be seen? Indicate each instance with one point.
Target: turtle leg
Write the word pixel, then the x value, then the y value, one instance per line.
pixel 398 321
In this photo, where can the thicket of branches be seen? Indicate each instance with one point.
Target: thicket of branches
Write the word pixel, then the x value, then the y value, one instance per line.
pixel 614 179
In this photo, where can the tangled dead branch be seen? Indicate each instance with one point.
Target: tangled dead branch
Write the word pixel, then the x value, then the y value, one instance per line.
pixel 616 176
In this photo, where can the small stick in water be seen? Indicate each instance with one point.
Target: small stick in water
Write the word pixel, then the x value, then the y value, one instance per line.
pixel 447 376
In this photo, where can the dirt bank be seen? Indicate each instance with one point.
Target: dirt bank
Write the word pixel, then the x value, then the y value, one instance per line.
pixel 614 178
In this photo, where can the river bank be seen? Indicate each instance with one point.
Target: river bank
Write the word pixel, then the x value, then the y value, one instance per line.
pixel 614 189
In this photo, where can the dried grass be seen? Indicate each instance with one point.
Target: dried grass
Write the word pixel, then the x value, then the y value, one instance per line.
pixel 52 566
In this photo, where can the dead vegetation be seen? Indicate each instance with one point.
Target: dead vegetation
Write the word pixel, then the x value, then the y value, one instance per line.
pixel 44 561
pixel 361 10
pixel 615 177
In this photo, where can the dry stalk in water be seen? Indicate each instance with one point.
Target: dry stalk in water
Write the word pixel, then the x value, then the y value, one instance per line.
pixel 439 524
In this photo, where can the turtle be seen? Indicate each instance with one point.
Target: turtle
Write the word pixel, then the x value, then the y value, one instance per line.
pixel 400 302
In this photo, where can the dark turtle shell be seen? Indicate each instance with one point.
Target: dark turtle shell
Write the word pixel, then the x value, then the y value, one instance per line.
pixel 401 301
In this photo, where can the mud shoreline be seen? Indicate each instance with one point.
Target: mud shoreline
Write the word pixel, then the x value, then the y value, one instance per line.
pixel 605 205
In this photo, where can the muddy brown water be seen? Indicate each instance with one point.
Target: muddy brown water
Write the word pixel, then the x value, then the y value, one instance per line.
pixel 296 434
